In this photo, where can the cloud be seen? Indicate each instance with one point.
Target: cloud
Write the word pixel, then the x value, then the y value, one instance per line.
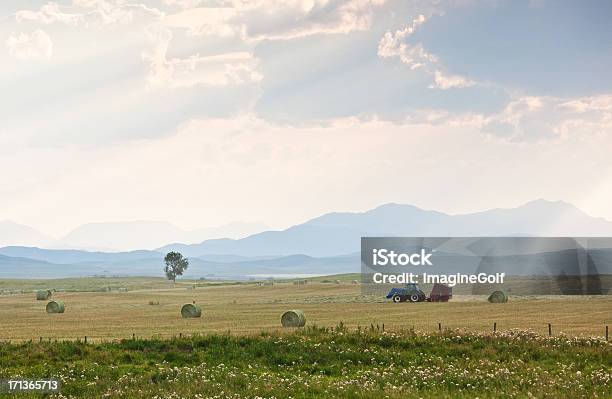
pixel 444 82
pixel 394 45
pixel 47 14
pixel 90 12
pixel 259 20
pixel 34 45
pixel 550 118
pixel 414 55
pixel 232 68
pixel 301 18
pixel 183 3
pixel 206 21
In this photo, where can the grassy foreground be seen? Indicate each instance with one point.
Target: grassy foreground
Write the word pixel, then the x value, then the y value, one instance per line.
pixel 324 363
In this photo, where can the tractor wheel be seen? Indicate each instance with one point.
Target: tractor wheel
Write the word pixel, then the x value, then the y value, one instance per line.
pixel 396 299
pixel 414 298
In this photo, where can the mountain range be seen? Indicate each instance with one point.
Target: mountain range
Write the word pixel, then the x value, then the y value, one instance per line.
pixel 122 236
pixel 324 245
pixel 339 233
pixel 12 233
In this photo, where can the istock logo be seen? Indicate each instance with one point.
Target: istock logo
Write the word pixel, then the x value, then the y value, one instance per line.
pixel 384 257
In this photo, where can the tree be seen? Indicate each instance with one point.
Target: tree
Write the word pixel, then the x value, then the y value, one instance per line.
pixel 176 264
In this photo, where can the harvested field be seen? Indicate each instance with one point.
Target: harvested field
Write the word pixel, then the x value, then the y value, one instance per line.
pixel 249 308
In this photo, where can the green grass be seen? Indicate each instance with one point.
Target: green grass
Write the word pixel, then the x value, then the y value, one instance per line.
pixel 318 362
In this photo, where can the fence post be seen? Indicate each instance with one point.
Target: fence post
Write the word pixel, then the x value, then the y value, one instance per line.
pixel 439 326
pixel 606 333
pixel 41 339
pixel 495 326
pixel 180 335
pixel 549 330
pixel 133 337
pixel 86 339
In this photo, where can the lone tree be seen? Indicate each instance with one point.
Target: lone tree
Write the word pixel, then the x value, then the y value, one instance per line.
pixel 176 264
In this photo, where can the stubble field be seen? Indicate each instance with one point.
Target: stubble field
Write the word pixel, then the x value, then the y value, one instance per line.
pixel 151 308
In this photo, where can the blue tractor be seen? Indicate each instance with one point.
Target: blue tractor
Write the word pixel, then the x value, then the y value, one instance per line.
pixel 410 293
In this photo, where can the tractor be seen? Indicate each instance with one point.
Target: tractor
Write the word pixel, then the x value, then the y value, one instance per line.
pixel 412 293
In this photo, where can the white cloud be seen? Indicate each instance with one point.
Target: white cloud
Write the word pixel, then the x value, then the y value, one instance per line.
pixel 47 14
pixel 444 82
pixel 586 104
pixel 183 3
pixel 397 45
pixel 37 44
pixel 89 12
pixel 545 118
pixel 258 20
pixel 208 21
pixel 233 68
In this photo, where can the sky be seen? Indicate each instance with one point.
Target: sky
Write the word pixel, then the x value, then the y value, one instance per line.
pixel 205 112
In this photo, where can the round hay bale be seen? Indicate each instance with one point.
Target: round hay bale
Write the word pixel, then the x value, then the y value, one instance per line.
pixel 43 295
pixel 55 307
pixel 337 281
pixel 293 318
pixel 355 281
pixel 191 310
pixel 498 297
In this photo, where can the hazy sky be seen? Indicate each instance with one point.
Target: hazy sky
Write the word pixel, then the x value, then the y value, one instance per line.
pixel 203 112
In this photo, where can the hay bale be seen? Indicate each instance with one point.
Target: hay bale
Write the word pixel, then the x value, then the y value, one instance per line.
pixel 123 289
pixel 355 282
pixel 191 310
pixel 293 318
pixel 55 307
pixel 43 295
pixel 337 281
pixel 498 297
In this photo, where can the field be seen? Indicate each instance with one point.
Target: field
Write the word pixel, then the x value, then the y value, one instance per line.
pixel 125 338
pixel 248 308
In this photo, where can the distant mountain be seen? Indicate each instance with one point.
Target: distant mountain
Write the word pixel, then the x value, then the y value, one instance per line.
pixel 339 233
pixel 125 236
pixel 285 265
pixel 62 263
pixel 71 256
pixel 325 245
pixel 17 234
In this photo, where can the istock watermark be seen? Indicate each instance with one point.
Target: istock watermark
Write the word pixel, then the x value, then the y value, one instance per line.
pixel 449 279
pixel 480 265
